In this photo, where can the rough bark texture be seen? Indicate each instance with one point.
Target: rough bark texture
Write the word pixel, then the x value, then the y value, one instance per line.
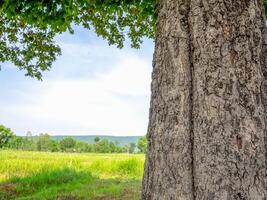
pixel 207 129
pixel 229 117
pixel 169 160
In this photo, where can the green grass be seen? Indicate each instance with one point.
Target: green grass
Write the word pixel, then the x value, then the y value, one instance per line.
pixel 69 176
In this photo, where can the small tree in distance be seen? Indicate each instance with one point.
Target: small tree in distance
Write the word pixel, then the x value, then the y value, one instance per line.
pixel 132 147
pixel 5 135
pixel 96 139
pixel 44 143
pixel 142 144
pixel 67 144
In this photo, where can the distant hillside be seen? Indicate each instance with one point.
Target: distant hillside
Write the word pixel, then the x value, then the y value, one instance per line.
pixel 123 140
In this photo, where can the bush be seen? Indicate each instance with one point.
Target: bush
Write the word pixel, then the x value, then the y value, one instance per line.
pixel 67 144
pixel 5 136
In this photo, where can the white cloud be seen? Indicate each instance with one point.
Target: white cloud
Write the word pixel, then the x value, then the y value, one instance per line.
pixel 130 77
pixel 112 102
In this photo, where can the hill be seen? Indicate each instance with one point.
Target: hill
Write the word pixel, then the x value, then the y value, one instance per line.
pixel 122 140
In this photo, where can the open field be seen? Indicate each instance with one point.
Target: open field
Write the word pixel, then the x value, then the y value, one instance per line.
pixel 69 176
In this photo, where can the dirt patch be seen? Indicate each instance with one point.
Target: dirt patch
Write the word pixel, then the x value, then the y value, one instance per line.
pixel 8 191
pixel 67 197
pixel 104 197
pixel 8 187
pixel 131 193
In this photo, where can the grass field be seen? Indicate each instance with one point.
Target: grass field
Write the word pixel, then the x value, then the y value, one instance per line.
pixel 69 176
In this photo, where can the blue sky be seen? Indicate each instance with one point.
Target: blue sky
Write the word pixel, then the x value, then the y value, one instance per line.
pixel 92 88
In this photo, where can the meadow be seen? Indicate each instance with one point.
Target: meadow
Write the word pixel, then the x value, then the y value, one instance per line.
pixel 28 175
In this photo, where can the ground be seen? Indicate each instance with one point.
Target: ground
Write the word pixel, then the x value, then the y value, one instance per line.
pixel 69 176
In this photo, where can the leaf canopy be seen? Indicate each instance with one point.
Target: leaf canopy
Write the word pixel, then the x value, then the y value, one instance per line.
pixel 28 27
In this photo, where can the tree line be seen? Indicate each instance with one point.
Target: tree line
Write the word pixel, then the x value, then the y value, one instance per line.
pixel 44 142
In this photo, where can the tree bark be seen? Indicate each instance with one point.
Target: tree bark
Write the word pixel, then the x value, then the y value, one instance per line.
pixel 207 128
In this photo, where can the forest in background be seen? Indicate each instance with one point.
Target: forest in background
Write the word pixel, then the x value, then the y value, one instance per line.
pixel 47 143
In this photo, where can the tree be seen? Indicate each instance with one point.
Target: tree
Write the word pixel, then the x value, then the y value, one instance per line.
pixel 207 124
pixel 132 147
pixel 206 135
pixel 96 139
pixel 102 146
pixel 67 144
pixel 15 143
pixel 125 149
pixel 81 146
pixel 113 148
pixel 28 28
pixel 142 144
pixel 53 146
pixel 29 136
pixel 5 136
pixel 45 143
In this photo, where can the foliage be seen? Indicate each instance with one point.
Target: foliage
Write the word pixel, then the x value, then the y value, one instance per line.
pixel 67 144
pixel 27 47
pixel 44 143
pixel 111 19
pixel 115 148
pixel 38 175
pixel 97 139
pixel 142 144
pixel 81 146
pixel 102 146
pixel 21 143
pixel 132 147
pixel 15 142
pixel 5 136
pixel 28 28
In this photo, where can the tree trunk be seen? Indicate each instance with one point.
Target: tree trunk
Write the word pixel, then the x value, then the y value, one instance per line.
pixel 207 124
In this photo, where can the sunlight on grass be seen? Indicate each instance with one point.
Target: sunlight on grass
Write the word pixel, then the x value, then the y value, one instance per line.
pixel 42 175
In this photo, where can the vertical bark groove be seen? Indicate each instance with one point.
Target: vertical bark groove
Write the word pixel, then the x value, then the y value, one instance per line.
pixel 190 30
pixel 169 161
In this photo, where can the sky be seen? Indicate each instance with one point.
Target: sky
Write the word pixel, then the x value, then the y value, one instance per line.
pixel 92 89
